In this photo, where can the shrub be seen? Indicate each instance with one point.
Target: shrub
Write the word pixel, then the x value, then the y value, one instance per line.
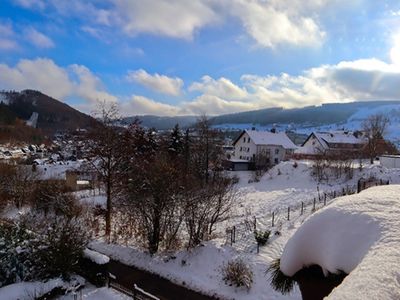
pixel 262 237
pixel 295 165
pixel 52 196
pixel 237 272
pixel 279 281
pixel 59 247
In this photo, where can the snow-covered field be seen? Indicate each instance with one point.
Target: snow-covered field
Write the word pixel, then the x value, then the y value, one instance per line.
pixel 200 268
pixel 287 184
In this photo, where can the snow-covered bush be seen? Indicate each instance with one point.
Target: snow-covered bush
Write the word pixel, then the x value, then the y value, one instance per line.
pixel 52 196
pixel 279 281
pixel 262 237
pixel 58 246
pixel 238 273
pixel 15 254
pixel 40 247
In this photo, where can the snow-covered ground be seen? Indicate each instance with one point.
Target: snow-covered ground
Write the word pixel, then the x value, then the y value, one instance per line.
pixel 200 268
pixel 90 292
pixel 287 184
pixel 358 234
pixel 36 289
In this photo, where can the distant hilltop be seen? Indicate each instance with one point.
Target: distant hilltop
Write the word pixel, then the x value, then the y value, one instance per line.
pixel 40 111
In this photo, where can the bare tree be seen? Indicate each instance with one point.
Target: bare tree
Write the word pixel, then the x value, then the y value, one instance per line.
pixel 53 196
pixel 205 206
pixel 105 154
pixel 206 150
pixel 17 183
pixel 153 195
pixel 375 127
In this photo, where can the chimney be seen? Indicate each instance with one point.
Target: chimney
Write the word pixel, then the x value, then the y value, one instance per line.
pixel 253 128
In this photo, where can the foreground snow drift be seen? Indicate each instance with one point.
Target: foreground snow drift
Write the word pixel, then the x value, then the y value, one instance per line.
pixel 358 234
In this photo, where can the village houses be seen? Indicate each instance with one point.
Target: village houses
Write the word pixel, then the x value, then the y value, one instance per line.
pixel 251 144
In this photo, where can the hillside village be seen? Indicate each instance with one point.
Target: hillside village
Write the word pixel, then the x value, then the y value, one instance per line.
pixel 274 186
pixel 199 150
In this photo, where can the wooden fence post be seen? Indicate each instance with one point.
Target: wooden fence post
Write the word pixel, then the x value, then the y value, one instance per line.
pixel 288 213
pixel 255 223
pixel 324 199
pixel 273 218
pixel 302 208
pixel 314 205
pixel 234 234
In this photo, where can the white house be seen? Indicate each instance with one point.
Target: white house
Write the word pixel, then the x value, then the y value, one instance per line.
pixel 275 147
pixel 332 142
pixel 390 161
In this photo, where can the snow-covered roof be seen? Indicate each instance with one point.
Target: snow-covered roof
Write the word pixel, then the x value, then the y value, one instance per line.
pixel 338 137
pixel 358 234
pixel 271 138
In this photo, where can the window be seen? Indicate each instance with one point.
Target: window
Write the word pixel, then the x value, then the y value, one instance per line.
pixel 276 161
pixel 248 140
pixel 240 148
pixel 240 157
pixel 248 149
pixel 277 151
pixel 244 140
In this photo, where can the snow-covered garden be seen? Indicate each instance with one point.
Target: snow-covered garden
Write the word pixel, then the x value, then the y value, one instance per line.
pixel 317 227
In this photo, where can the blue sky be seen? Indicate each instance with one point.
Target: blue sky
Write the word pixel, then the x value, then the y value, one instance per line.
pixel 178 57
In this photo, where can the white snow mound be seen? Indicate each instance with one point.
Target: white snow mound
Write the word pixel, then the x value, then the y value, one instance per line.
pixel 358 234
pixel 96 257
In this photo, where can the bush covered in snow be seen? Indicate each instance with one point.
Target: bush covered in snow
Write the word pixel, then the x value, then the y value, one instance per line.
pixel 279 281
pixel 40 248
pixel 59 247
pixel 238 273
pixel 53 196
pixel 15 254
pixel 262 237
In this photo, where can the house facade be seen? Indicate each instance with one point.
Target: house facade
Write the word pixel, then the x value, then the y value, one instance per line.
pixel 334 142
pixel 264 147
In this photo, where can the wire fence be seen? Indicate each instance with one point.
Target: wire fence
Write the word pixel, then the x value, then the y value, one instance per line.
pixel 242 236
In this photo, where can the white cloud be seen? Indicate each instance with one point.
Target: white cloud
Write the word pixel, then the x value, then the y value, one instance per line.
pixel 365 79
pixel 395 51
pixel 61 83
pixel 38 39
pixel 214 105
pixel 31 3
pixel 271 23
pixel 89 86
pixel 7 37
pixel 222 87
pixel 172 18
pixel 140 105
pixel 159 83
pixel 40 74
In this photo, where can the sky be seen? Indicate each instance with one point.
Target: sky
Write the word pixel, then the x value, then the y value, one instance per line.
pixel 181 57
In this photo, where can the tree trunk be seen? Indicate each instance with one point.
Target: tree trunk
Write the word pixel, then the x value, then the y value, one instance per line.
pixel 108 212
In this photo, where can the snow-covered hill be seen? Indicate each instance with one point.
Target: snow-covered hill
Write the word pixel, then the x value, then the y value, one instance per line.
pixel 354 122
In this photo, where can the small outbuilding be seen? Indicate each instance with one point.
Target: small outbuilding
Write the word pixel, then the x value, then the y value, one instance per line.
pixel 390 161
